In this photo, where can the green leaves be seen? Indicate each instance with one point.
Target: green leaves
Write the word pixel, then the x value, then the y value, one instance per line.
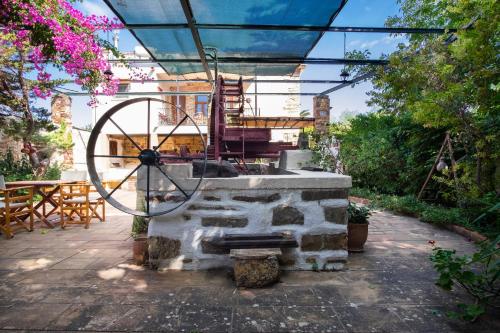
pixel 477 274
pixel 357 214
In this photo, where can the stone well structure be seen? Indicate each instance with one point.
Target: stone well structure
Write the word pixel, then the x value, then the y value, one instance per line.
pixel 310 205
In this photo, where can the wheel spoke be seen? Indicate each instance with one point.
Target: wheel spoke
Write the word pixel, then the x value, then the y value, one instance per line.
pixel 173 182
pixel 149 125
pixel 171 132
pixel 147 192
pixel 115 156
pixel 178 158
pixel 128 137
pixel 123 181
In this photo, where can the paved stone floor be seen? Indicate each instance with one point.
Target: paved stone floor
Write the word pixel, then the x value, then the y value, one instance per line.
pixel 84 280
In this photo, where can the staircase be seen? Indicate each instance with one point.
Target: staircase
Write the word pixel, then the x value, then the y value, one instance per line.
pixel 226 110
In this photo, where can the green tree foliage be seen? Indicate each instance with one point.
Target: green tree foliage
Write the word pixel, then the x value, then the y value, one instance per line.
pixel 445 85
pixel 13 169
pixel 386 153
pixel 433 84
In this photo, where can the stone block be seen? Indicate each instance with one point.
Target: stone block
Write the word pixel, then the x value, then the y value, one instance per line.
pixel 335 214
pixel 313 195
pixel 311 260
pixel 260 198
pixel 283 215
pixel 209 248
pixel 256 273
pixel 207 207
pixel 225 222
pixel 160 248
pixel 169 197
pixel 211 198
pixel 322 242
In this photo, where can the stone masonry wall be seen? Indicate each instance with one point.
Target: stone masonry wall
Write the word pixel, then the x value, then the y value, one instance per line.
pixel 316 217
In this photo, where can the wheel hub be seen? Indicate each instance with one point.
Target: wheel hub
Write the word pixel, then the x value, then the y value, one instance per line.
pixel 149 157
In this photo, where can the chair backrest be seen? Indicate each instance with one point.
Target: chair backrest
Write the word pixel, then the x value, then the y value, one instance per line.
pixel 74 175
pixel 2 183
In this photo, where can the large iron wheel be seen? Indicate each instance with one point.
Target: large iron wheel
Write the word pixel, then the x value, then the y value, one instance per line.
pixel 148 157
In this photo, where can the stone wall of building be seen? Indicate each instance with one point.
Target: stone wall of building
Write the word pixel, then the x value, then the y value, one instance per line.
pixel 60 108
pixel 321 112
pixel 7 143
pixel 315 217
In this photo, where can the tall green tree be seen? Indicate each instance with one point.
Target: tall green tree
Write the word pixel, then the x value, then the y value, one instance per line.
pixel 449 82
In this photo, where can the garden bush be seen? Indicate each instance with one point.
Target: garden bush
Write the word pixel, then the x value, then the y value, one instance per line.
pixel 13 169
pixel 478 274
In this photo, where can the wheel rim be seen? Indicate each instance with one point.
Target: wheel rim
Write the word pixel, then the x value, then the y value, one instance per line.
pixel 149 157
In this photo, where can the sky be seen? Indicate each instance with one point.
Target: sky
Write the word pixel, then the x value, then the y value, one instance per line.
pixel 365 13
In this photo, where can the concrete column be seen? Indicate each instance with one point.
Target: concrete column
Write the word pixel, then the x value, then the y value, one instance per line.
pixel 321 112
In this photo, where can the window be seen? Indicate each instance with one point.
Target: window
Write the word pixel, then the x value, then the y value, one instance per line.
pixel 201 105
pixel 123 87
pixel 113 148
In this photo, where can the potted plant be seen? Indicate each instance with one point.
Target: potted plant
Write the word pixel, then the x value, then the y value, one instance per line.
pixel 357 227
pixel 140 235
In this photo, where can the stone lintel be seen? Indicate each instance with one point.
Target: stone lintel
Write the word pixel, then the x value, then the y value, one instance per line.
pixel 259 198
pixel 226 222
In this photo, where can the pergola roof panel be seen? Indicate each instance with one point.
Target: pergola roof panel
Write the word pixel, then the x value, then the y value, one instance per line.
pixel 177 42
pixel 279 12
pixel 149 11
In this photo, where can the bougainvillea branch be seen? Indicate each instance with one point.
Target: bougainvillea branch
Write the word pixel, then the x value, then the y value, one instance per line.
pixel 52 31
pixel 36 36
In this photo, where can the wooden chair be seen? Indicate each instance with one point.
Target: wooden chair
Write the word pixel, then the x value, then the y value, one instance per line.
pixel 74 200
pixel 15 206
pixel 96 200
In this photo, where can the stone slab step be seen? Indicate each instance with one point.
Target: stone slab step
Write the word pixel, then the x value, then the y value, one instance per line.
pixel 254 253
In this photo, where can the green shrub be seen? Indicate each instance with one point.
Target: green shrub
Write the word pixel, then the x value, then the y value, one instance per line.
pixel 478 275
pixel 441 215
pixel 485 221
pixel 53 172
pixel 140 224
pixel 357 214
pixel 13 169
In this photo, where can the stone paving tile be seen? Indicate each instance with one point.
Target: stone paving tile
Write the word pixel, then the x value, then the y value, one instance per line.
pixel 371 319
pixel 77 279
pixel 87 263
pixel 259 319
pixel 312 319
pixel 46 253
pixel 271 296
pixel 205 319
pixel 26 264
pixel 24 316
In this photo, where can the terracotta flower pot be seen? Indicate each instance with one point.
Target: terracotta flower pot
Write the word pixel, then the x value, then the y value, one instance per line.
pixel 140 250
pixel 357 234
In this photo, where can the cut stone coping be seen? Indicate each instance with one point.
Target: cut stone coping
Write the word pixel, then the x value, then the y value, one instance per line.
pixel 301 179
pixel 249 254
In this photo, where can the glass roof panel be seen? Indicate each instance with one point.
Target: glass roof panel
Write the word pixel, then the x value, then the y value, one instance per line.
pixel 149 11
pixel 259 43
pixel 279 12
pixel 168 43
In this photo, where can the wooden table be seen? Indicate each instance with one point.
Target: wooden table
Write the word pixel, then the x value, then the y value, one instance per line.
pixel 40 187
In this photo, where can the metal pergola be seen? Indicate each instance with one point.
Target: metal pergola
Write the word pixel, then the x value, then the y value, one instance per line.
pixel 181 23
